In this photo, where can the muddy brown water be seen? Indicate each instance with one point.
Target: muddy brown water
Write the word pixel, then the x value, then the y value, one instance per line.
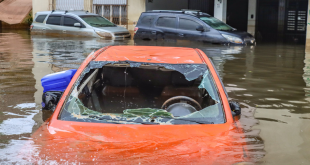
pixel 271 81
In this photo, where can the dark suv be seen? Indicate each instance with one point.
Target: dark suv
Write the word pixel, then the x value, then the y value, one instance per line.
pixel 188 25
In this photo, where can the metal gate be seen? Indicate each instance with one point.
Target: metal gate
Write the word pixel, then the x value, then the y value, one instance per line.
pixel 115 11
pixel 68 4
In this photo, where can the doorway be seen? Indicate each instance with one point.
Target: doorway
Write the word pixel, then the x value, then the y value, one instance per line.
pixel 237 14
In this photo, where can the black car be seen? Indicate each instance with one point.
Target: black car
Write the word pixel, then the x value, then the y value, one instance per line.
pixel 188 25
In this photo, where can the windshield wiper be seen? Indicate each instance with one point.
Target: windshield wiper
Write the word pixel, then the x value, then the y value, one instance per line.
pixel 194 121
pixel 97 24
pixel 119 121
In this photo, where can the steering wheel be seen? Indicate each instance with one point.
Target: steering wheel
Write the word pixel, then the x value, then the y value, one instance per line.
pixel 181 99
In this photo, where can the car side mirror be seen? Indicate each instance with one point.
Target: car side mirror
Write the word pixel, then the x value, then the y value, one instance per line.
pixel 235 108
pixel 77 25
pixel 200 28
pixel 50 99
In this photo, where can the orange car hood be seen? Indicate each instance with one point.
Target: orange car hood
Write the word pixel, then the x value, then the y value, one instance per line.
pixel 133 144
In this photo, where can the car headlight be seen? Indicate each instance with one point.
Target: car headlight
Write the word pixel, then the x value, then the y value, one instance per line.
pixel 104 34
pixel 233 39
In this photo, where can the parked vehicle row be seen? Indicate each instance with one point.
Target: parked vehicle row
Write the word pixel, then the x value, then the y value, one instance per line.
pixel 152 25
pixel 188 25
pixel 76 23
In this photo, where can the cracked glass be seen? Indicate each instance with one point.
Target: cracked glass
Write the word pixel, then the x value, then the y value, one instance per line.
pixel 144 93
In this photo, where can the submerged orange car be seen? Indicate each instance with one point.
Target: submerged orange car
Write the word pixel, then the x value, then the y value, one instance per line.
pixel 139 105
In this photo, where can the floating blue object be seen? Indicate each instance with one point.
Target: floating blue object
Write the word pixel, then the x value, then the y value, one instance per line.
pixel 57 81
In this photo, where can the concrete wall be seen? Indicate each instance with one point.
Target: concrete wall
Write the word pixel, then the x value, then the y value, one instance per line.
pixel 40 5
pixel 135 8
pixel 251 21
pixel 166 5
pixel 220 9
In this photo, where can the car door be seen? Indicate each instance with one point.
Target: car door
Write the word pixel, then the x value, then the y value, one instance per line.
pixel 70 30
pixel 53 25
pixel 166 27
pixel 145 29
pixel 187 29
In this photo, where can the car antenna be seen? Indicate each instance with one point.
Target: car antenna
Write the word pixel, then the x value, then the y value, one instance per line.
pixel 86 12
pixel 66 11
pixel 52 11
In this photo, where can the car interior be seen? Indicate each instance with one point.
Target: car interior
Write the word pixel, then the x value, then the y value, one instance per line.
pixel 116 87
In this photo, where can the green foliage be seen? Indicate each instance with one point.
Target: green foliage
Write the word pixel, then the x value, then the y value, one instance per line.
pixel 29 18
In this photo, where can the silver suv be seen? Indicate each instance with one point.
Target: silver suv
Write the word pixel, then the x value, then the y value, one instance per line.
pixel 76 23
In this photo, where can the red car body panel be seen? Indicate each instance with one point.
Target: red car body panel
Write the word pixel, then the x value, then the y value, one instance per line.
pixel 97 143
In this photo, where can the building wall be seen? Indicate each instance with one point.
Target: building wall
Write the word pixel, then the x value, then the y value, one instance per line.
pixel 166 4
pixel 40 5
pixel 135 8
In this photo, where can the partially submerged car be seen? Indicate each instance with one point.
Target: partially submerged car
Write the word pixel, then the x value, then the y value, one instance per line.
pixel 190 25
pixel 76 23
pixel 140 104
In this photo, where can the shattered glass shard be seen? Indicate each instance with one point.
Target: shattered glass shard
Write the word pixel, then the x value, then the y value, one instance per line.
pixel 206 84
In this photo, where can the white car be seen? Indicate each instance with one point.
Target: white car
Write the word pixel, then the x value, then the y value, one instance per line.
pixel 76 23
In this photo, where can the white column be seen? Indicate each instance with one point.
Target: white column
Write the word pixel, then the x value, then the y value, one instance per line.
pixel 111 13
pixel 102 11
pixel 220 9
pixel 251 17
pixel 120 15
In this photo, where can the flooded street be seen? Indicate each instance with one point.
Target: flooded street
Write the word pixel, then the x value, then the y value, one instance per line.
pixel 270 81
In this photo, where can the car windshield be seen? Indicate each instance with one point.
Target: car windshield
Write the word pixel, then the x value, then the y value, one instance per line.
pixel 144 93
pixel 216 24
pixel 97 21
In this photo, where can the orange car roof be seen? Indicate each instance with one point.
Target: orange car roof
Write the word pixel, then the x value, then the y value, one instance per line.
pixel 150 54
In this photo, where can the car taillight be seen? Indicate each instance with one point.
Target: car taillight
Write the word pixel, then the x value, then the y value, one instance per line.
pixel 31 26
pixel 136 29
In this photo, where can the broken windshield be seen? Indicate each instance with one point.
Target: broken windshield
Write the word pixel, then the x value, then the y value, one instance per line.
pixel 144 93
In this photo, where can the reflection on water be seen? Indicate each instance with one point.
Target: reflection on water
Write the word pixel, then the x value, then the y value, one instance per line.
pixel 271 82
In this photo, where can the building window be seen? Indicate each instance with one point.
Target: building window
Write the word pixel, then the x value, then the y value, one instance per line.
pixel 114 13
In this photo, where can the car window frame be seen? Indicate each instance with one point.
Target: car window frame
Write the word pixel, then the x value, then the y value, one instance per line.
pixel 69 16
pixel 159 16
pixel 61 19
pixel 179 20
pixel 195 20
pixel 144 15
pixel 46 16
pixel 218 90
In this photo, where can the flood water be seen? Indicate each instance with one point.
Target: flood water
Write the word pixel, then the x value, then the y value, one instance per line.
pixel 270 81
